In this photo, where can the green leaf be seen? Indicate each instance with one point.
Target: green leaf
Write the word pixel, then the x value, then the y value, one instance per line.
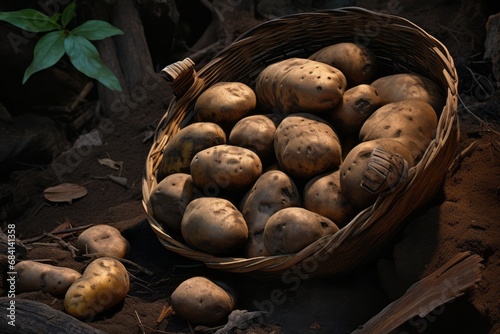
pixel 68 14
pixel 30 20
pixel 56 17
pixel 48 50
pixel 85 57
pixel 96 29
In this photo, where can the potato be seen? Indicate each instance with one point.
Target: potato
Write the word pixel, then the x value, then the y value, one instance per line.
pixel 202 302
pixel 184 144
pixel 356 61
pixel 169 199
pixel 355 164
pixel 256 133
pixel 103 239
pixel 225 103
pixel 292 229
pixel 414 120
pixel 306 145
pixel 273 191
pixel 225 169
pixel 323 195
pixel 214 225
pixel 299 85
pixel 37 276
pixel 104 284
pixel 358 103
pixel 410 86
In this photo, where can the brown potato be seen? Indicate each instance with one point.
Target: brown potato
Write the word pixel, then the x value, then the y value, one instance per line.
pixel 410 86
pixel 225 169
pixel 292 229
pixel 273 191
pixel 299 85
pixel 306 145
pixel 358 103
pixel 201 301
pixel 37 276
pixel 413 121
pixel 104 283
pixel 256 133
pixel 103 239
pixel 355 164
pixel 183 145
pixel 169 199
pixel 356 61
pixel 323 195
pixel 225 103
pixel 214 225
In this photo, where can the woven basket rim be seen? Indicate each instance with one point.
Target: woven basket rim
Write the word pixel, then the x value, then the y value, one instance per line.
pixel 441 148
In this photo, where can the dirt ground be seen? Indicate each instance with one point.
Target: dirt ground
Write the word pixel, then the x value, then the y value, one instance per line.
pixel 463 217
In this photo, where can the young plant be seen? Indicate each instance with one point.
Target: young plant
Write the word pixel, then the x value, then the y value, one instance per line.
pixel 58 41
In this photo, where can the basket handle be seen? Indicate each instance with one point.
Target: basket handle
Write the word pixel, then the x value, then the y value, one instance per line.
pixel 180 75
pixel 385 171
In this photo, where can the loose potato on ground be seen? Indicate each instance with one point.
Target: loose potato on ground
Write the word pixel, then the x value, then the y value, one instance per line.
pixel 105 283
pixel 299 85
pixel 358 103
pixel 214 225
pixel 103 239
pixel 414 120
pixel 225 103
pixel 256 133
pixel 169 199
pixel 323 195
pixel 183 145
pixel 291 229
pixel 202 302
pixel 37 276
pixel 306 145
pixel 225 169
pixel 357 62
pixel 273 191
pixel 410 86
pixel 355 164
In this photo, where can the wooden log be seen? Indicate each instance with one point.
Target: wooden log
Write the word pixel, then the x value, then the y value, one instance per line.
pixel 30 317
pixel 107 51
pixel 450 281
pixel 131 48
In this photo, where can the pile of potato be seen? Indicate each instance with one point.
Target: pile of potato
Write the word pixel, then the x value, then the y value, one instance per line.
pixel 269 169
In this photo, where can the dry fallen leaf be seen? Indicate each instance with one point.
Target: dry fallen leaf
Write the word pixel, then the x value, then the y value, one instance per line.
pixel 64 192
pixel 118 179
pixel 116 165
pixel 315 325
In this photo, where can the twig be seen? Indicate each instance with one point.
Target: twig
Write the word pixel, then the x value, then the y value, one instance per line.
pixel 93 256
pixel 460 157
pixel 68 230
pixel 166 311
pixel 141 283
pixel 157 330
pixel 39 208
pixel 483 123
pixel 140 322
pixel 45 260
pixel 45 244
pixel 81 97
pixel 64 244
pixel 477 81
pixel 73 229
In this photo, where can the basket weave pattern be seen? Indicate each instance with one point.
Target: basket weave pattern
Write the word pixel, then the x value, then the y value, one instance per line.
pixel 400 46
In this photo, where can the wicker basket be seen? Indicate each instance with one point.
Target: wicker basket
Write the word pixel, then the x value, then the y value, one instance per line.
pixel 400 46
